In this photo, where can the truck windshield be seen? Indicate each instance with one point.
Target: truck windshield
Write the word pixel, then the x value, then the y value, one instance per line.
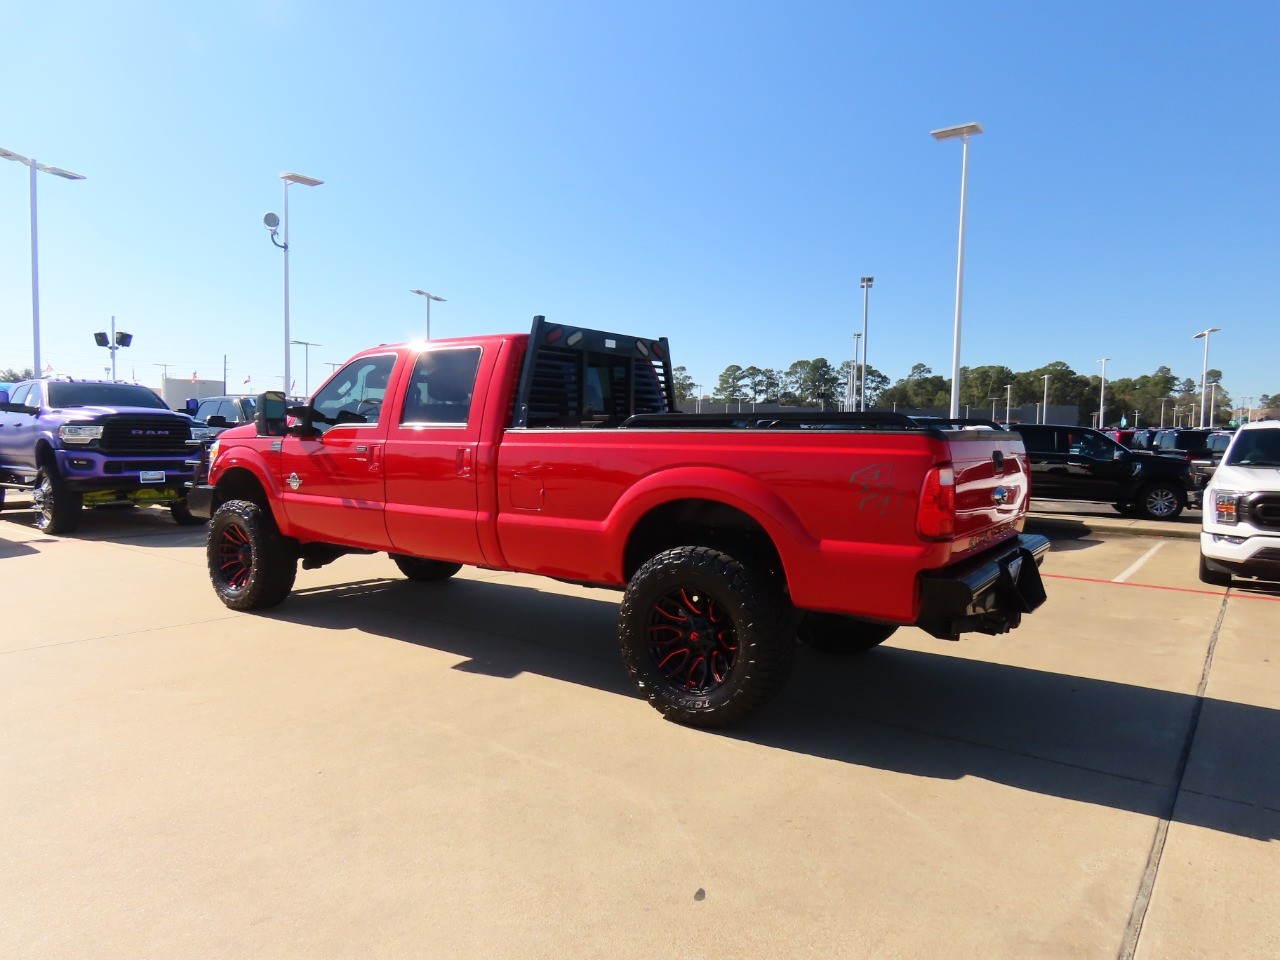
pixel 1255 448
pixel 103 395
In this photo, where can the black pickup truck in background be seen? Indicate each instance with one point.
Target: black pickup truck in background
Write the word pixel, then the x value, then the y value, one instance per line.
pixel 1080 463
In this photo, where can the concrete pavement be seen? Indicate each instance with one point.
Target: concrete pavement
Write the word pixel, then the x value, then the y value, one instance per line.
pixel 378 768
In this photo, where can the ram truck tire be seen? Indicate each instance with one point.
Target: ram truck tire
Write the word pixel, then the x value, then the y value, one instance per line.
pixel 1215 577
pixel 57 508
pixel 834 634
pixel 425 571
pixel 1161 501
pixel 251 565
pixel 706 639
pixel 182 514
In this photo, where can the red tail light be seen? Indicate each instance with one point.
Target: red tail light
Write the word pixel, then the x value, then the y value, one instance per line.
pixel 936 519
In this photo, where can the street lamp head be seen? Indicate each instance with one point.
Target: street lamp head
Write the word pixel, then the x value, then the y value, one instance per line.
pixel 10 155
pixel 429 296
pixel 101 339
pixel 123 339
pixel 271 222
pixel 868 281
pixel 59 172
pixel 1205 333
pixel 951 133
pixel 300 179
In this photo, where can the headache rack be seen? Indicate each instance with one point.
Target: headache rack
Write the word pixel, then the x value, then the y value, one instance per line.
pixel 575 377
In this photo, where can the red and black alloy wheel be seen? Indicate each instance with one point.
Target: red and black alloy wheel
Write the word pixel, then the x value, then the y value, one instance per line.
pixel 251 565
pixel 235 556
pixel 692 640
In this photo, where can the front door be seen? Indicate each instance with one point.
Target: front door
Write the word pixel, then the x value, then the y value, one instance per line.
pixel 332 483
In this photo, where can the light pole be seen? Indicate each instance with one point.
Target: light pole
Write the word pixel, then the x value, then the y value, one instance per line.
pixel 113 343
pixel 272 222
pixel 1102 397
pixel 963 133
pixel 697 400
pixel 993 406
pixel 306 363
pixel 35 246
pixel 1204 373
pixel 1008 394
pixel 853 374
pixel 1045 378
pixel 866 293
pixel 430 297
pixel 1213 402
pixel 1162 403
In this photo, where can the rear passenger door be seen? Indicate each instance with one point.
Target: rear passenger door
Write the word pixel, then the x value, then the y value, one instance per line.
pixel 432 458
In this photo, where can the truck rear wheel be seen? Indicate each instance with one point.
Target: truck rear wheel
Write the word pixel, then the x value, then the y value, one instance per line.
pixel 250 564
pixel 1161 501
pixel 425 571
pixel 832 633
pixel 57 509
pixel 706 638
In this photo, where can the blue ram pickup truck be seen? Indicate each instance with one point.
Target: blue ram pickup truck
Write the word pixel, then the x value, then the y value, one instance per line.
pixel 91 443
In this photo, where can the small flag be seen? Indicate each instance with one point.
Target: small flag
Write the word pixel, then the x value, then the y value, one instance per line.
pixel 293 387
pixel 193 376
pixel 48 369
pixel 246 379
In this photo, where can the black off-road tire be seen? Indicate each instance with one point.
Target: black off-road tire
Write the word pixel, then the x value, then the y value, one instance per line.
pixel 251 565
pixel 57 509
pixel 425 571
pixel 834 634
pixel 1161 501
pixel 1 498
pixel 182 514
pixel 706 638
pixel 1208 575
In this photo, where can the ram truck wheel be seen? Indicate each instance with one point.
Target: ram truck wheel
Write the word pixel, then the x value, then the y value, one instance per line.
pixel 57 509
pixel 834 634
pixel 1161 501
pixel 250 564
pixel 425 571
pixel 182 514
pixel 706 638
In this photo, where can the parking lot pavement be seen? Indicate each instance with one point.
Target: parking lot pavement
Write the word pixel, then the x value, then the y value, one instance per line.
pixel 383 768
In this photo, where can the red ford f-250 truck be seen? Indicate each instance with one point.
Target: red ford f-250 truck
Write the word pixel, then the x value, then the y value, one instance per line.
pixel 558 453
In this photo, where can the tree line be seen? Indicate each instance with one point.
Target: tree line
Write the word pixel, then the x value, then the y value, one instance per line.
pixel 819 383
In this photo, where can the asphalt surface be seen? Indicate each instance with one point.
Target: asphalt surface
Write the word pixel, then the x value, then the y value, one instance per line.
pixel 378 768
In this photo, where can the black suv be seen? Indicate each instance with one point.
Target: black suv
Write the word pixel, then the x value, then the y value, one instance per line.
pixel 1079 463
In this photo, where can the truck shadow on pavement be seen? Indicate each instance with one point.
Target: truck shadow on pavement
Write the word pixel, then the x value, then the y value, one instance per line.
pixel 920 714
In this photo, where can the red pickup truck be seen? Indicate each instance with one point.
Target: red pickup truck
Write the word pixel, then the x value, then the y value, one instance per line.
pixel 560 453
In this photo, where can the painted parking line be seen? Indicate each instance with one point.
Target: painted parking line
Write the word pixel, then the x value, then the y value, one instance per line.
pixel 1138 564
pixel 1155 586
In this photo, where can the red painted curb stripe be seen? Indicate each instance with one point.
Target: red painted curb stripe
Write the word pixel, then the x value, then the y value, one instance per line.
pixel 1156 586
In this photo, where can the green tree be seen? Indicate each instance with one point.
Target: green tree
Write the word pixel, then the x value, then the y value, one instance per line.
pixel 683 384
pixel 13 375
pixel 732 385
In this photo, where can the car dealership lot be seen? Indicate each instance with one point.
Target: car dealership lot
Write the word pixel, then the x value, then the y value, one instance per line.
pixel 383 768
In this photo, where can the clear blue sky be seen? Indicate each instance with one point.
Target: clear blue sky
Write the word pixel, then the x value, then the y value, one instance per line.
pixel 718 173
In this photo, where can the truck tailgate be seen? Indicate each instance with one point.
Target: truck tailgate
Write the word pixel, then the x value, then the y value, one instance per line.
pixel 993 486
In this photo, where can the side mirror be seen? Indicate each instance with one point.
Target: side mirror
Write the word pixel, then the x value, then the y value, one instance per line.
pixel 217 420
pixel 4 396
pixel 269 415
pixel 191 405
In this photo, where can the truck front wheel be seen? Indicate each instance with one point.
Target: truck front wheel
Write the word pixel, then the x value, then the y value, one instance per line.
pixel 57 509
pixel 425 571
pixel 832 633
pixel 706 638
pixel 250 564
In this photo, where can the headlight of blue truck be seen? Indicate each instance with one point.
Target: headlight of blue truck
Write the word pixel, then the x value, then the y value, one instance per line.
pixel 79 433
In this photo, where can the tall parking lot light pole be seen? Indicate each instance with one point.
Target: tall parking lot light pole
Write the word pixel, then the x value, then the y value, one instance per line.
pixel 272 222
pixel 1102 396
pixel 993 406
pixel 853 374
pixel 1162 403
pixel 1008 395
pixel 963 133
pixel 1045 415
pixel 430 297
pixel 866 293
pixel 33 166
pixel 1204 373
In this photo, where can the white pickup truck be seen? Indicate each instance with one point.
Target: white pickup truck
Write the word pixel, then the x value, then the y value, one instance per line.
pixel 1240 533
